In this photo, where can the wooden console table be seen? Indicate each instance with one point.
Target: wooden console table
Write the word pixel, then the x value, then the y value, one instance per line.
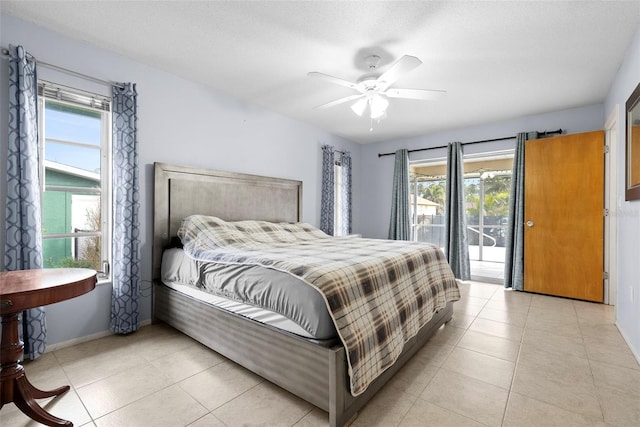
pixel 21 290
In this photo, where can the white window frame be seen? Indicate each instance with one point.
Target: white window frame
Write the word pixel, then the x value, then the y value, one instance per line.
pixel 102 104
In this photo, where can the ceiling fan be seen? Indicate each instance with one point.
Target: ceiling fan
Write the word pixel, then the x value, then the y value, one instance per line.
pixel 374 88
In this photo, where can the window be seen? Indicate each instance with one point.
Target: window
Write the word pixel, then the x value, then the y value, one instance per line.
pixel 487 187
pixel 75 141
pixel 427 201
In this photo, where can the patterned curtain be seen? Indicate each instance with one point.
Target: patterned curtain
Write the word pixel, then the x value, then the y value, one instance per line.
pixel 400 225
pixel 23 247
pixel 456 244
pixel 345 194
pixel 328 185
pixel 514 248
pixel 126 232
pixel 336 167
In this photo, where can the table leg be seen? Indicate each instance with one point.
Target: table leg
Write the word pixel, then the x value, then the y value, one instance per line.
pixel 14 385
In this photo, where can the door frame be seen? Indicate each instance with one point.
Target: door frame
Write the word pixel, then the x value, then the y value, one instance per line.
pixel 612 201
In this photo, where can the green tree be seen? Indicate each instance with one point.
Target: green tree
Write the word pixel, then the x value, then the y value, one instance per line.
pixel 434 191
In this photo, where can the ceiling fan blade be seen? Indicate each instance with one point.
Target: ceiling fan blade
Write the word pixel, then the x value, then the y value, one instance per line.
pixel 337 102
pixel 336 80
pixel 397 70
pixel 420 94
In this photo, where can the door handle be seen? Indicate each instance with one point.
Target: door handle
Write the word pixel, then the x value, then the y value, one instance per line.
pixel 529 223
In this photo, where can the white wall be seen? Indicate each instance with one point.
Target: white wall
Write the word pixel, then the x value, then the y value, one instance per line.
pixel 377 172
pixel 628 213
pixel 180 122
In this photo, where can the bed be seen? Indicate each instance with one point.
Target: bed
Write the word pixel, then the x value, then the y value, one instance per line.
pixel 315 370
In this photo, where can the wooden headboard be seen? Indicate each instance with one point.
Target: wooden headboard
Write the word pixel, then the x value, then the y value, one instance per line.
pixel 182 191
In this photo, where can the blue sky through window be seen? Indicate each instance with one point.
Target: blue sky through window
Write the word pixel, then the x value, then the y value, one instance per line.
pixel 76 125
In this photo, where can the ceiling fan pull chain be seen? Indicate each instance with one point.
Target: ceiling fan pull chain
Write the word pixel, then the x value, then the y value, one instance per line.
pixel 371 128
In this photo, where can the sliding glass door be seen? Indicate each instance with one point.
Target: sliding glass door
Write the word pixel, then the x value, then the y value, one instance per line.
pixel 487 196
pixel 487 191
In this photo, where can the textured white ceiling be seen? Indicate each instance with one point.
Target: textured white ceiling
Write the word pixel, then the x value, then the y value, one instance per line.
pixel 496 60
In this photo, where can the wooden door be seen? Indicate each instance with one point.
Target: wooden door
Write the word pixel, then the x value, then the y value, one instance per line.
pixel 564 216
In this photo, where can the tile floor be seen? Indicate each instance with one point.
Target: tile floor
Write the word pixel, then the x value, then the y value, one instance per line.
pixel 507 358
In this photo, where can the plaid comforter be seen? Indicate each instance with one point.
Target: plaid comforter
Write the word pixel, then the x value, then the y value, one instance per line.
pixel 379 292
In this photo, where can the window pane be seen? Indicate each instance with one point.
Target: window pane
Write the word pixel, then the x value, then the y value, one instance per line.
pixel 82 252
pixel 70 212
pixel 72 123
pixel 472 209
pixel 83 158
pixel 497 191
pixel 427 210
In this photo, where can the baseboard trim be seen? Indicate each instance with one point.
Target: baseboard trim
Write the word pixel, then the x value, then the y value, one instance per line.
pixel 87 338
pixel 633 350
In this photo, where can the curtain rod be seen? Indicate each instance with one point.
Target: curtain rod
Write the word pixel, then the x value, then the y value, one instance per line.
pixel 5 52
pixel 544 133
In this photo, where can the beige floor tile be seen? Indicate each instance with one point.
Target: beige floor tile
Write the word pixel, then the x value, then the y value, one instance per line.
pixel 160 340
pixel 314 418
pixel 386 409
pixel 446 335
pixel 467 309
pixel 264 404
pixel 523 411
pixel 508 294
pixel 619 408
pixel 187 362
pixel 491 345
pixel 553 303
pixel 461 320
pixel 483 290
pixel 557 326
pixel 208 420
pixel 423 413
pixel 168 407
pixel 475 399
pixel 45 372
pixel 219 384
pixel 553 343
pixel 116 391
pixel 434 354
pixel 594 312
pixel 518 318
pixel 623 379
pixel 564 314
pixel 67 406
pixel 111 345
pixel 601 333
pixel 414 376
pixel 480 366
pixel 498 329
pixel 618 356
pixel 96 362
pixel 564 381
pixel 508 305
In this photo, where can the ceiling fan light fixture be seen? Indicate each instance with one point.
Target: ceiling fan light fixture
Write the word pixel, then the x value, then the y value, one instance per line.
pixel 378 105
pixel 359 106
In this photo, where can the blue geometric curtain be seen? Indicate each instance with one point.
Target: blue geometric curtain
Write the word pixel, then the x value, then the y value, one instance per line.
pixel 126 227
pixel 23 247
pixel 332 221
pixel 456 243
pixel 345 194
pixel 328 187
pixel 400 224
pixel 514 247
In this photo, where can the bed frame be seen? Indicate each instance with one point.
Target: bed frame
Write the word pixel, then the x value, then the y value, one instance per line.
pixel 315 372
